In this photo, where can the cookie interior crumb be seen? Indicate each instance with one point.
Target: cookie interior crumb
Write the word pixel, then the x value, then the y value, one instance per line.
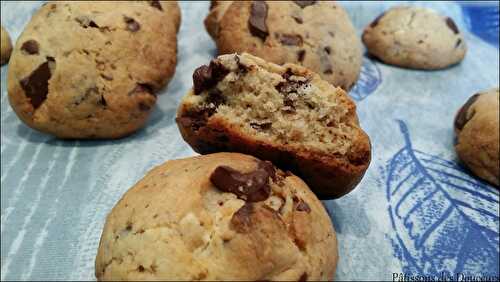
pixel 276 105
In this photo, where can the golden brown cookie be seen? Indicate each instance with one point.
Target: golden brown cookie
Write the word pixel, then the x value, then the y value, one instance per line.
pixel 285 114
pixel 5 46
pixel 224 216
pixel 91 69
pixel 316 34
pixel 413 37
pixel 477 131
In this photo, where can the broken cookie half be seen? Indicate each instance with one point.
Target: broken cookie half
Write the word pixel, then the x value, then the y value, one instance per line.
pixel 286 114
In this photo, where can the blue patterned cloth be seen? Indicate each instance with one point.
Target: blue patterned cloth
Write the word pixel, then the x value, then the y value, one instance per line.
pixel 417 211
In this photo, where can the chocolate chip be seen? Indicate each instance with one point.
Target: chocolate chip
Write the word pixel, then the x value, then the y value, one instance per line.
pixel 377 19
pixel 462 118
pixel 304 4
pixel 328 71
pixel 297 19
pixel 252 186
pixel 300 55
pixel 303 277
pixel 301 205
pixel 327 50
pixel 30 47
pixel 36 85
pixel 132 25
pixel 206 77
pixel 242 218
pixel 241 67
pixel 291 39
pixel 215 97
pixel 257 21
pixel 459 41
pixel 289 86
pixel 195 118
pixel 156 4
pixel 451 24
pixel 261 126
pixel 102 101
pixel 140 268
pixel 86 22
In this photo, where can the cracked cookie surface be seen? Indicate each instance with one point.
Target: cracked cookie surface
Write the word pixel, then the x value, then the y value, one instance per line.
pixel 91 69
pixel 224 216
pixel 315 34
pixel 415 37
pixel 477 135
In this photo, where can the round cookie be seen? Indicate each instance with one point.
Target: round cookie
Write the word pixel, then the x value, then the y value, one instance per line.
pixel 316 34
pixel 91 69
pixel 223 216
pixel 477 131
pixel 5 46
pixel 413 37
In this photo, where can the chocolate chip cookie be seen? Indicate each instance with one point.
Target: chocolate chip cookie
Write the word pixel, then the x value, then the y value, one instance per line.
pixel 286 114
pixel 224 216
pixel 413 37
pixel 477 131
pixel 91 69
pixel 5 46
pixel 316 34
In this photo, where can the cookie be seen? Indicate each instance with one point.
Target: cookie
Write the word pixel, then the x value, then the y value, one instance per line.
pixel 416 38
pixel 286 114
pixel 223 216
pixel 5 47
pixel 477 135
pixel 91 69
pixel 315 34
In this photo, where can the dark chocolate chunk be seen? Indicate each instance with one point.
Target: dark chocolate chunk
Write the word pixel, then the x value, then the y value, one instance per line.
pixel 377 19
pixel 451 24
pixel 132 25
pixel 195 118
pixel 243 68
pixel 301 205
pixel 86 22
pixel 298 19
pixel 462 118
pixel 156 4
pixel 303 277
pixel 36 85
pixel 242 218
pixel 215 97
pixel 300 55
pixel 30 47
pixel 328 71
pixel 291 39
pixel 304 4
pixel 102 101
pixel 290 86
pixel 252 186
pixel 206 77
pixel 261 126
pixel 327 50
pixel 140 268
pixel 257 21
